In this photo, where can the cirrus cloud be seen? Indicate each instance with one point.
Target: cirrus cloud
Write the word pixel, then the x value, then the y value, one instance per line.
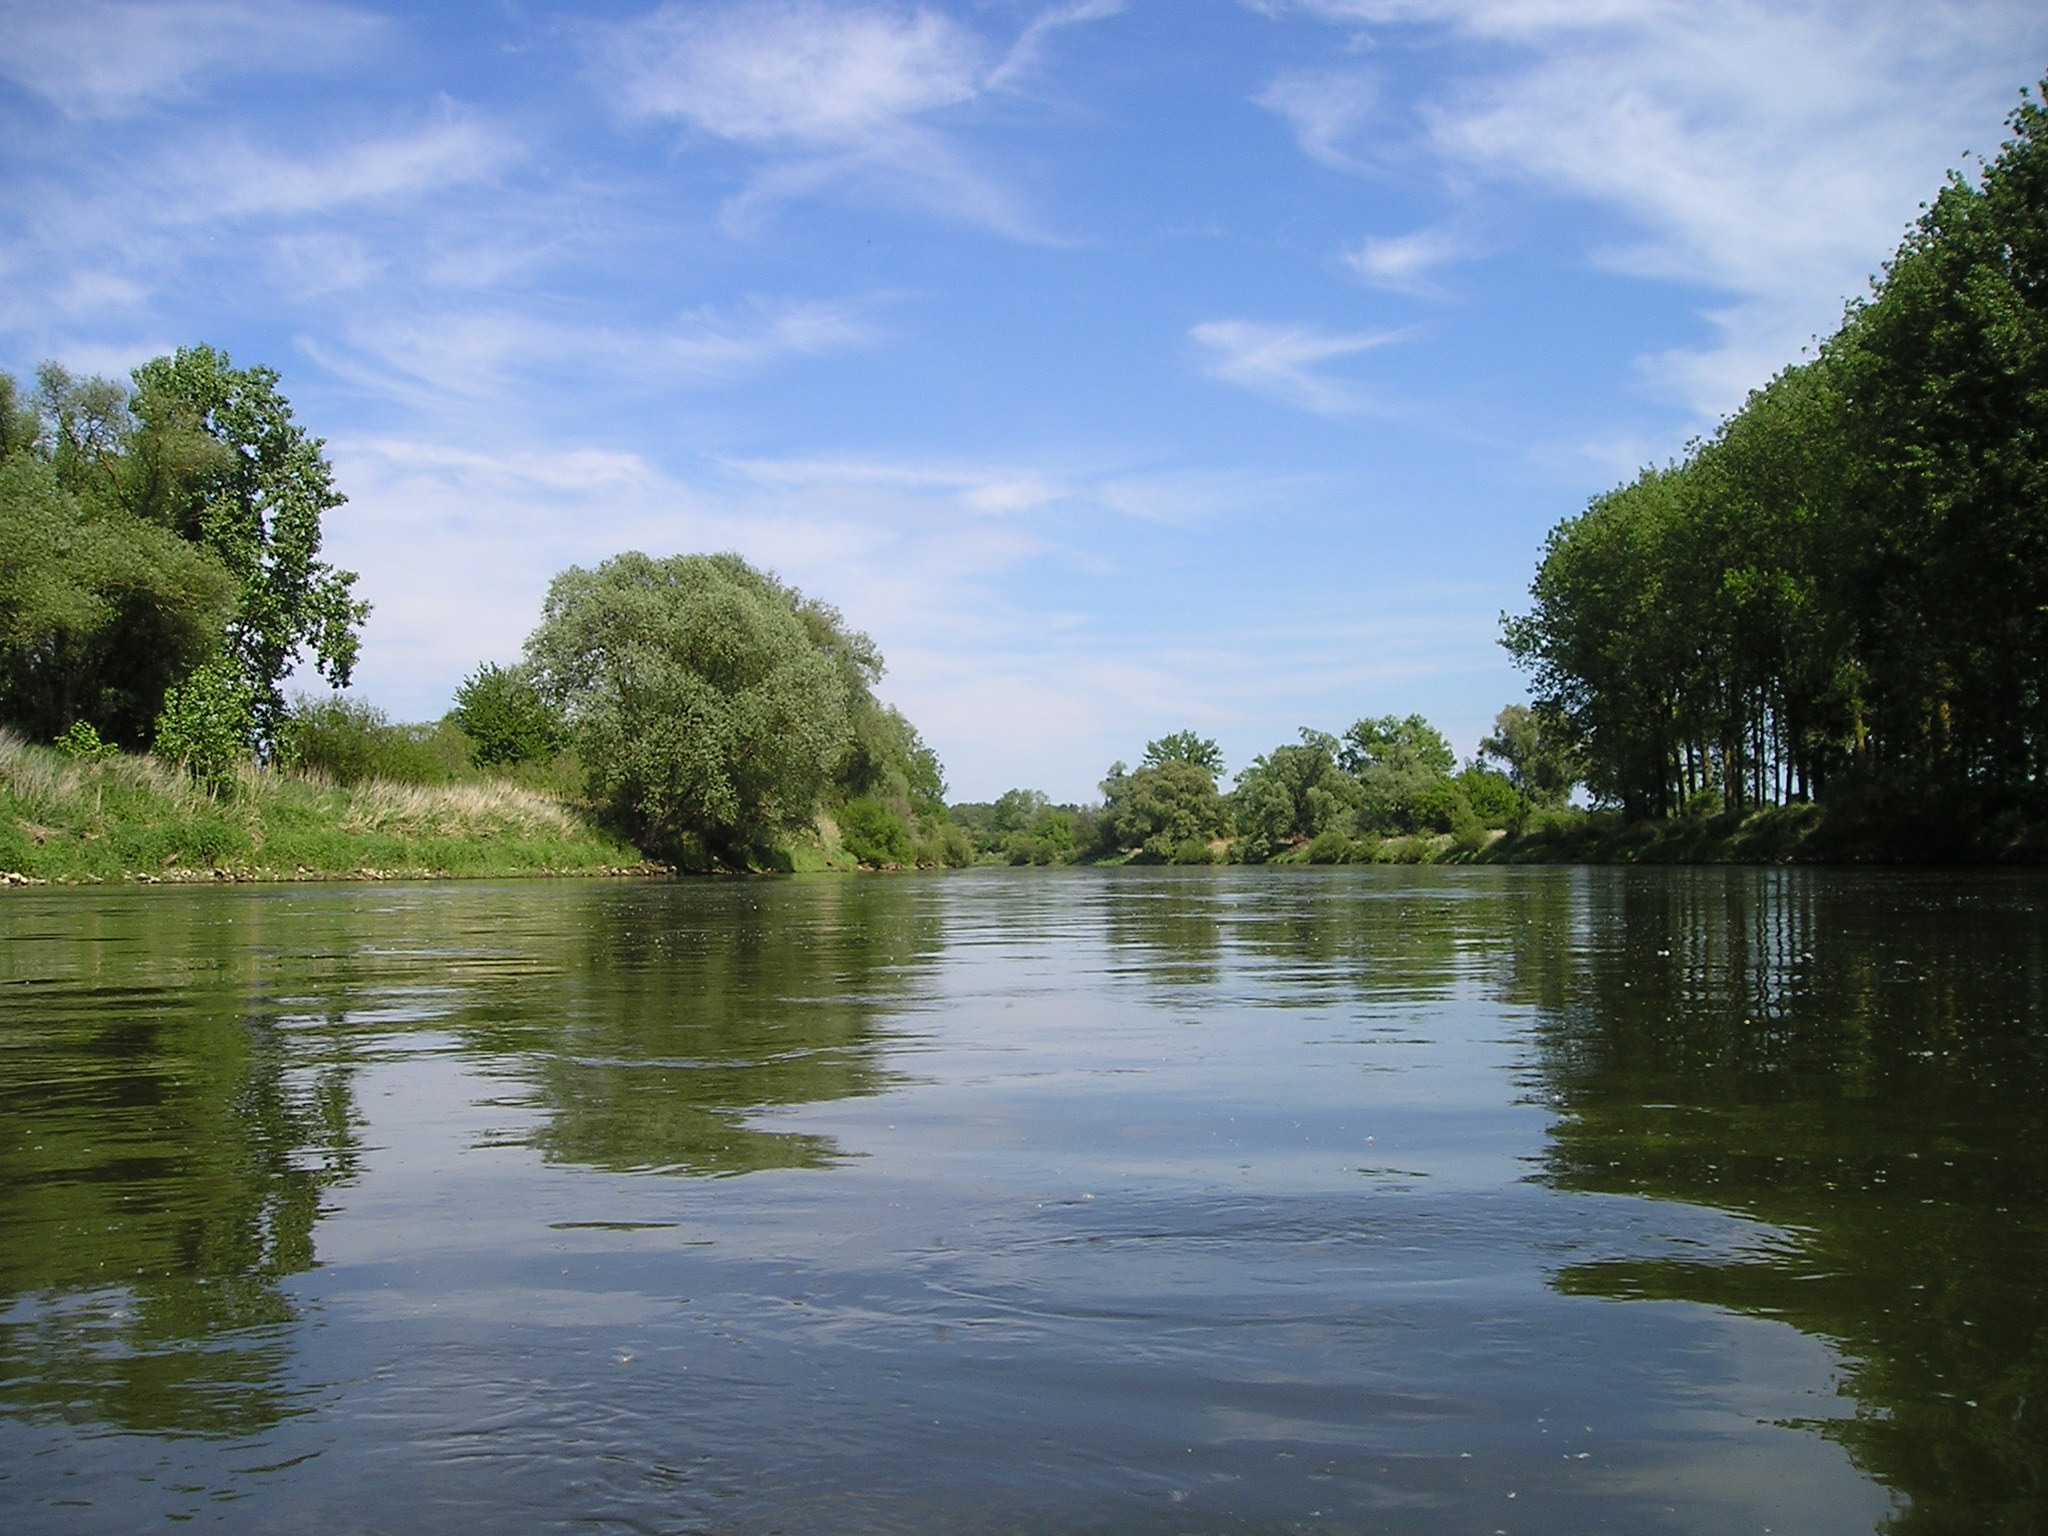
pixel 1284 362
pixel 1770 152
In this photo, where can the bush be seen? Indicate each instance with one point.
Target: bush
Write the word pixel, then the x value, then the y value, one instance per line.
pixel 1330 847
pixel 873 833
pixel 351 740
pixel 505 718
pixel 206 721
pixel 946 843
pixel 82 744
pixel 1492 796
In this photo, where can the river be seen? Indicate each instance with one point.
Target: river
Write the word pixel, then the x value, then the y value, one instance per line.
pixel 1209 1200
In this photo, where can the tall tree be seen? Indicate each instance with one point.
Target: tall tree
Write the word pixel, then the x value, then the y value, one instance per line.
pixel 217 456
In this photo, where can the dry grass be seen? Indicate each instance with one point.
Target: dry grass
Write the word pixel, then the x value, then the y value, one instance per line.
pixel 491 809
pixel 46 783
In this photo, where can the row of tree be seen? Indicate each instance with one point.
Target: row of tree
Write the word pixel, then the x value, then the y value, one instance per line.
pixel 1324 799
pixel 1844 591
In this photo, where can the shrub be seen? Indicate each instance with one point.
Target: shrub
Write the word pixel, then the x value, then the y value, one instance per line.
pixel 206 721
pixel 1492 796
pixel 505 718
pixel 1330 847
pixel 82 743
pixel 351 740
pixel 873 833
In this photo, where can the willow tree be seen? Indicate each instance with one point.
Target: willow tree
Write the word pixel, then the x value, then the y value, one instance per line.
pixel 712 705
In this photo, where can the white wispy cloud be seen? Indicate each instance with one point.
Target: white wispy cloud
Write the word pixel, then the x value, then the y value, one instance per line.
pixel 1774 152
pixel 1028 51
pixel 946 563
pixel 483 354
pixel 834 97
pixel 113 58
pixel 1327 109
pixel 230 177
pixel 1283 362
pixel 1405 263
pixel 794 72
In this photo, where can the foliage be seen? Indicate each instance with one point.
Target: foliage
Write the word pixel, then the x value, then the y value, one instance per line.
pixel 1492 796
pixel 350 741
pixel 1161 808
pixel 1534 746
pixel 1023 826
pixel 505 717
pixel 1052 836
pixel 205 724
pixel 1293 794
pixel 712 705
pixel 1185 747
pixel 217 457
pixel 82 743
pixel 1402 767
pixel 100 612
pixel 873 833
pixel 888 763
pixel 1843 593
pixel 144 531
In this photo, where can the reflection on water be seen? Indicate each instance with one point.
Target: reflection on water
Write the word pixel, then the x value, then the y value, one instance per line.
pixel 163 1155
pixel 173 1115
pixel 1246 1200
pixel 1857 1061
pixel 661 1030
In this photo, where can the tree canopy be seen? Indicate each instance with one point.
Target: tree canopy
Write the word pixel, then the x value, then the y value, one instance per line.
pixel 1844 590
pixel 154 532
pixel 713 706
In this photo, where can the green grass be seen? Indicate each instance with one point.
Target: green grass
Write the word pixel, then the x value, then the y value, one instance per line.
pixel 135 818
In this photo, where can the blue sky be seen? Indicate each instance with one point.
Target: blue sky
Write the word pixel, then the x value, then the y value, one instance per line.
pixel 1120 365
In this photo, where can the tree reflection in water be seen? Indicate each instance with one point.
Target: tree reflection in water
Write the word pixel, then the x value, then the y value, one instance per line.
pixel 181 1078
pixel 1856 1060
pixel 670 1024
pixel 164 1149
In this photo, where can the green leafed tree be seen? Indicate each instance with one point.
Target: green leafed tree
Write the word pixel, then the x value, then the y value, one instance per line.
pixel 101 612
pixel 216 456
pixel 1402 768
pixel 1539 759
pixel 1292 795
pixel 505 717
pixel 712 705
pixel 1185 747
pixel 1168 810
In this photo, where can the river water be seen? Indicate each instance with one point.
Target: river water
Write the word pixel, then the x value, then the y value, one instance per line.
pixel 1471 1200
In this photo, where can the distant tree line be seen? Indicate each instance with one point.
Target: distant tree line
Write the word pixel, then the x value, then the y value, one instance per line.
pixel 1842 594
pixel 1387 789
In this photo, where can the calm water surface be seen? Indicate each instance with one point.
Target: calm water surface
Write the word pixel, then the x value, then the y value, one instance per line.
pixel 1147 1201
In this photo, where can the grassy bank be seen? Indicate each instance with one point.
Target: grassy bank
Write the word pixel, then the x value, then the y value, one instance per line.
pixel 136 819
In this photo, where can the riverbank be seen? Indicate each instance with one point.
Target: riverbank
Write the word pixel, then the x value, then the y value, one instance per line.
pixel 134 819
pixel 1852 833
